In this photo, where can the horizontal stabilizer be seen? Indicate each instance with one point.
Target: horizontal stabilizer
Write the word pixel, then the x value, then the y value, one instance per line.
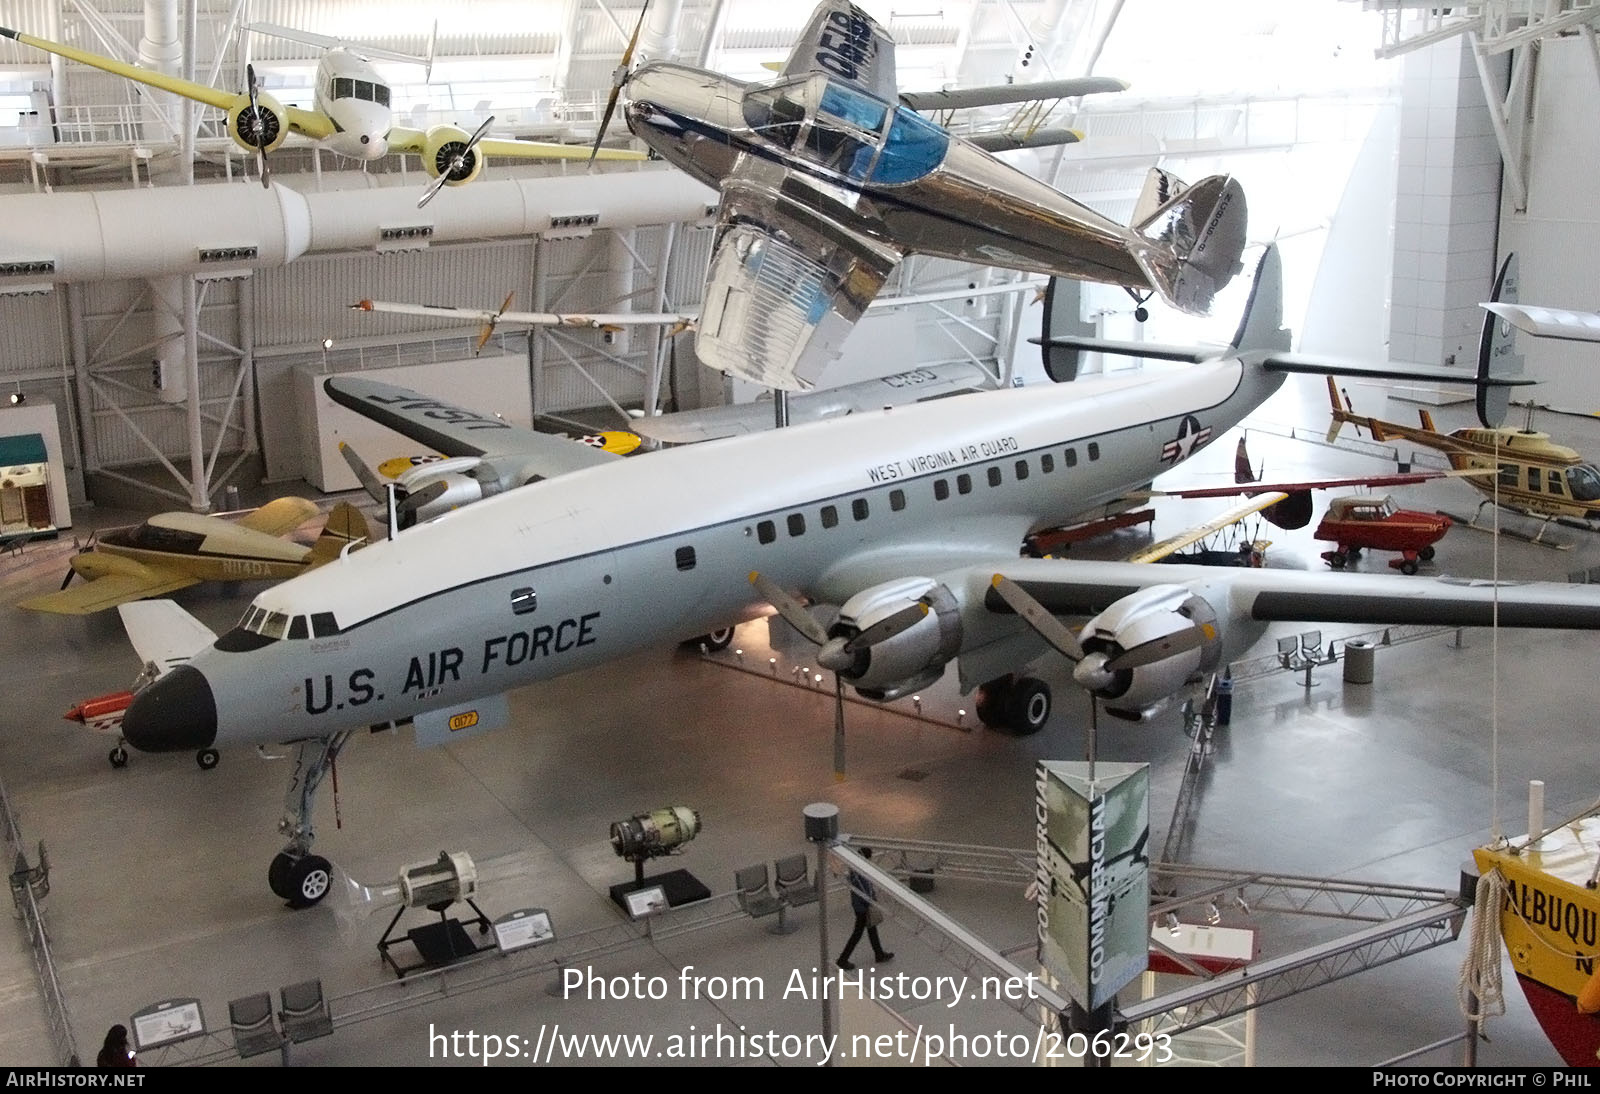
pixel 1152 350
pixel 1318 366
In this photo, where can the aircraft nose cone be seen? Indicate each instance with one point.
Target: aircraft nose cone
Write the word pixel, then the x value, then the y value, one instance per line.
pixel 177 713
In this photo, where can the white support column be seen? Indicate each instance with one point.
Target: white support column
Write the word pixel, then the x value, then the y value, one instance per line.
pixel 1447 208
pixel 199 485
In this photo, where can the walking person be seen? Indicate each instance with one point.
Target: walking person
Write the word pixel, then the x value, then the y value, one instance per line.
pixel 862 896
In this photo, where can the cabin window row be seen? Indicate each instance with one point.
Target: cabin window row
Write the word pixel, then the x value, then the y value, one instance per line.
pixel 795 523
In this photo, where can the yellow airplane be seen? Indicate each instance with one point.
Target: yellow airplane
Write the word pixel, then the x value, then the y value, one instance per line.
pixel 352 117
pixel 175 550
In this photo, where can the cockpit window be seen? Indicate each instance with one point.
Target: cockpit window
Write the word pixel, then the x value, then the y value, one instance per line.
pixel 364 90
pixel 846 131
pixel 297 627
pixel 323 625
pixel 1583 483
pixel 915 147
pixel 777 112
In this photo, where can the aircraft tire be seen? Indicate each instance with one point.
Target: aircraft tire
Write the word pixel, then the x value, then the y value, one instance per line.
pixel 715 641
pixel 992 701
pixel 1408 567
pixel 207 758
pixel 118 757
pixel 1354 552
pixel 278 874
pixel 309 880
pixel 1028 706
pixel 1426 554
pixel 1337 559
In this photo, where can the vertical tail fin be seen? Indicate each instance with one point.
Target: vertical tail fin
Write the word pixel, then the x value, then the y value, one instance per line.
pixel 1190 243
pixel 1242 471
pixel 1497 354
pixel 346 527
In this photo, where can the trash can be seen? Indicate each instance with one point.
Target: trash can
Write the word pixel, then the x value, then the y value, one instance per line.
pixel 1359 661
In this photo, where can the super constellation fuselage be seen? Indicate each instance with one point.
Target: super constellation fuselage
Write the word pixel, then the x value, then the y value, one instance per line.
pixel 575 571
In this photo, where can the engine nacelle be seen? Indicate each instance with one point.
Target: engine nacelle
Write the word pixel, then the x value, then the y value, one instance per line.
pixel 911 659
pixel 467 479
pixel 1148 616
pixel 263 126
pixel 441 146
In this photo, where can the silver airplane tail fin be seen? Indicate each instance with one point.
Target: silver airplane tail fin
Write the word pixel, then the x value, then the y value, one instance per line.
pixel 1191 237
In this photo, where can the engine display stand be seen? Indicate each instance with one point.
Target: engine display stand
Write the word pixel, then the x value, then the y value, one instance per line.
pixel 680 886
pixel 437 944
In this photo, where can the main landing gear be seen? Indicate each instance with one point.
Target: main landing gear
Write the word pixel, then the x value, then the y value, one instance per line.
pixel 299 877
pixel 1140 312
pixel 1018 705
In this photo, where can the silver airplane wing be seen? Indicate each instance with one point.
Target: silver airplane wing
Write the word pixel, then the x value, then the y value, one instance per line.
pixel 456 431
pixel 1004 94
pixel 784 289
pixel 842 41
pixel 915 386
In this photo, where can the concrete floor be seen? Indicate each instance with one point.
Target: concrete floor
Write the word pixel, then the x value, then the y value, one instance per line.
pixel 158 870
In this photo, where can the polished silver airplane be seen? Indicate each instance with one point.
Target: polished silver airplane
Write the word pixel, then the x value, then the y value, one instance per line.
pixel 902 517
pixel 828 179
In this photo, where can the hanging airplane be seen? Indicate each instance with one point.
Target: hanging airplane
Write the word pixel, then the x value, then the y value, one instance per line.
pixel 901 516
pixel 172 551
pixel 352 117
pixel 827 181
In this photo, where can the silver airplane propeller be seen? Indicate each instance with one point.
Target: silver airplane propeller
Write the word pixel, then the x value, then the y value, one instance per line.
pixel 837 654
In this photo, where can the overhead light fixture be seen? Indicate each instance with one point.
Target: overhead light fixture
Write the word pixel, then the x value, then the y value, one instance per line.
pixel 18 397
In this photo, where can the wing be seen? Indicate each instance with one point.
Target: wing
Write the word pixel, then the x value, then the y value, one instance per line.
pixel 784 288
pixel 848 45
pixel 593 320
pixel 309 123
pixel 456 431
pixel 915 386
pixel 110 591
pixel 1568 326
pixel 1003 94
pixel 1320 484
pixel 1157 551
pixel 1007 141
pixel 162 633
pixel 281 516
pixel 1300 596
pixel 412 140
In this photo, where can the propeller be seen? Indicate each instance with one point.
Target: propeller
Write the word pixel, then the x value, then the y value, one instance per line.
pixel 619 77
pixel 491 323
pixel 88 545
pixel 835 654
pixel 459 161
pixel 406 506
pixel 259 135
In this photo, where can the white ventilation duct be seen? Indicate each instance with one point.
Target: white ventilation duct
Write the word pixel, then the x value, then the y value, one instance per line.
pixel 227 229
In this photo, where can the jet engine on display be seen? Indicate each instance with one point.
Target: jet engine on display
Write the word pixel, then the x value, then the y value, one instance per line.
pixel 656 833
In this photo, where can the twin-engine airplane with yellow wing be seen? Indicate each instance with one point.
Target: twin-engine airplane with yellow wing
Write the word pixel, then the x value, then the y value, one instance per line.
pixel 352 117
pixel 901 518
pixel 172 551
